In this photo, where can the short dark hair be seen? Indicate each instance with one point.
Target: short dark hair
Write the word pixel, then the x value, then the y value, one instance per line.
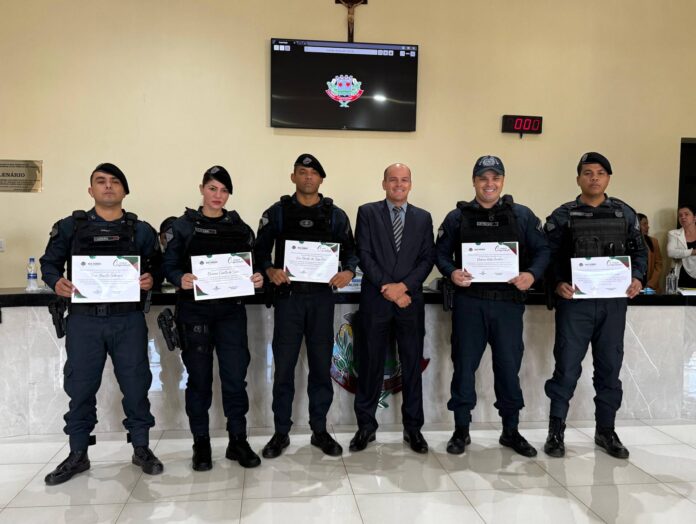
pixel 690 207
pixel 640 216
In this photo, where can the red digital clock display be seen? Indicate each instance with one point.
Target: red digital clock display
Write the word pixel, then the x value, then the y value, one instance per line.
pixel 522 124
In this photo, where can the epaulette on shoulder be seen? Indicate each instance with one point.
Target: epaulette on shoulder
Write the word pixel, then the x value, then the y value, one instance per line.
pixel 79 214
pixel 285 199
pixel 462 204
pixel 328 202
pixel 617 202
pixel 131 217
pixel 191 214
pixel 570 205
pixel 507 199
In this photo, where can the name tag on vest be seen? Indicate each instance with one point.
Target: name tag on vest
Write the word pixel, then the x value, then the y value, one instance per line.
pixel 112 238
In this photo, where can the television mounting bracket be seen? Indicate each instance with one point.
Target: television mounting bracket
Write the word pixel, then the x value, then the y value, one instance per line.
pixel 351 5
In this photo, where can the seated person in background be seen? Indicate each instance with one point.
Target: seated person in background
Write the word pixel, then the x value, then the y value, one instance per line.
pixel 653 277
pixel 681 246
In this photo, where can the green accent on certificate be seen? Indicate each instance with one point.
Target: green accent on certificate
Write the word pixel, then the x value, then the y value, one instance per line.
pixel 224 275
pixel 601 277
pixel 101 279
pixel 311 261
pixel 491 261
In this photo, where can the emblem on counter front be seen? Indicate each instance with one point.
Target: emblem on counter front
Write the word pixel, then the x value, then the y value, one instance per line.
pixel 344 89
pixel 344 364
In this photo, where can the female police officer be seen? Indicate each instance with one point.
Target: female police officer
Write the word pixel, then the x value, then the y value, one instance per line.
pixel 219 324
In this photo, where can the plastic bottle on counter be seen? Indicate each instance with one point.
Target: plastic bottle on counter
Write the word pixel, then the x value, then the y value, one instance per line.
pixel 671 282
pixel 32 279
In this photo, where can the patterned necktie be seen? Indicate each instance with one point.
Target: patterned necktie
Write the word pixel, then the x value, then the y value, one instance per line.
pixel 398 225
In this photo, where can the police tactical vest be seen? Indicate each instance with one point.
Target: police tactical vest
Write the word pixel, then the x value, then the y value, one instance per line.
pixel 97 238
pixel 209 237
pixel 497 224
pixel 300 222
pixel 597 232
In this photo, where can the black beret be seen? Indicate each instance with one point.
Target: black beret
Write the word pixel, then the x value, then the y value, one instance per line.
pixel 307 160
pixel 594 158
pixel 113 170
pixel 220 174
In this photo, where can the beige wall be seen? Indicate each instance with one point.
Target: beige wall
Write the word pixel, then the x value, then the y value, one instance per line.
pixel 167 88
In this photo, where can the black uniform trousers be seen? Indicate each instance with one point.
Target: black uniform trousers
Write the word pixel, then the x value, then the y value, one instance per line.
pixel 475 323
pixel 219 327
pixel 379 319
pixel 296 315
pixel 600 322
pixel 88 341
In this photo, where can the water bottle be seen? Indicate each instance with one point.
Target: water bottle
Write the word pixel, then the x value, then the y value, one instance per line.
pixel 671 282
pixel 32 280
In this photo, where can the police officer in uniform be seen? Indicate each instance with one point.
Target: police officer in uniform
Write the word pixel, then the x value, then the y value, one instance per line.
pixel 302 308
pixel 95 330
pixel 489 313
pixel 218 325
pixel 591 225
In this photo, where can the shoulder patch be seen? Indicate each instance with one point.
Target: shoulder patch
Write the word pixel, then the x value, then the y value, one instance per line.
pixel 440 232
pixel 54 231
pixel 549 226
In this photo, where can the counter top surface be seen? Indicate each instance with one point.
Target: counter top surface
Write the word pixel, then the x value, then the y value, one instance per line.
pixel 18 297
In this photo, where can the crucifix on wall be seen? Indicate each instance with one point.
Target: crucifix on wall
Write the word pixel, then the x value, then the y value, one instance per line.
pixel 351 5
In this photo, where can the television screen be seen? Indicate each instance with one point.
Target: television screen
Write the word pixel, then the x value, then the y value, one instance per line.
pixel 339 85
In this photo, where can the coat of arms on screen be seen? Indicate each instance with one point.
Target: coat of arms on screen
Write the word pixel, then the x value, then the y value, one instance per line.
pixel 344 89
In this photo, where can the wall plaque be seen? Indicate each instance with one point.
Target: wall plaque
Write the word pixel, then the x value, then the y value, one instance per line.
pixel 21 176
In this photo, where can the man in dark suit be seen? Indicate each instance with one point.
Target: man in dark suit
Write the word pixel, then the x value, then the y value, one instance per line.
pixel 396 251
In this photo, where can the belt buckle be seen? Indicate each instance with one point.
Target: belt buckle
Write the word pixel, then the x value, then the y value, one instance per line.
pixel 102 310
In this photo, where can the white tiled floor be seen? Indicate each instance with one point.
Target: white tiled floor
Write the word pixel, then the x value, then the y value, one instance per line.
pixel 385 483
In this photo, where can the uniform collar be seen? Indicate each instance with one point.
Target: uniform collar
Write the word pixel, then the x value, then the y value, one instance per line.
pixel 475 204
pixel 92 215
pixel 321 201
pixel 607 201
pixel 212 219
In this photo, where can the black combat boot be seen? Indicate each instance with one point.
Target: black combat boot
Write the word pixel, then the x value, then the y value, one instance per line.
pixel 511 438
pixel 146 459
pixel 554 446
pixel 275 446
pixel 238 449
pixel 77 462
pixel 459 441
pixel 607 439
pixel 202 454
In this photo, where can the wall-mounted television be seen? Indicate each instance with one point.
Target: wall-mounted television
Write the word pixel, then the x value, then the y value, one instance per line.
pixel 339 85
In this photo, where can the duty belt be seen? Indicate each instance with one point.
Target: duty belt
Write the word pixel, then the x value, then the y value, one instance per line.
pixel 188 297
pixel 308 287
pixel 514 295
pixel 105 310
